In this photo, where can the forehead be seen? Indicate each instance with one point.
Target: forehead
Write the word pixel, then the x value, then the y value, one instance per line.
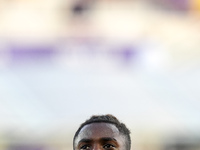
pixel 97 130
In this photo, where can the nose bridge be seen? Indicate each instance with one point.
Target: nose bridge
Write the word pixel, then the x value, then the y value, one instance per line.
pixel 96 146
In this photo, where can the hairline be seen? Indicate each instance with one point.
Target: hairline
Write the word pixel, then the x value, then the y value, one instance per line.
pixel 99 121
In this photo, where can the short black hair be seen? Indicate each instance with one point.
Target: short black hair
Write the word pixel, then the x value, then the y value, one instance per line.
pixel 107 119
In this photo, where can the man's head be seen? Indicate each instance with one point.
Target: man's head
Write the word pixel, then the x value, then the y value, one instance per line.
pixel 103 132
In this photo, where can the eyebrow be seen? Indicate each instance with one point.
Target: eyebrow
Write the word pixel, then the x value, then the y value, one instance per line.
pixel 105 139
pixel 85 141
pixel 108 139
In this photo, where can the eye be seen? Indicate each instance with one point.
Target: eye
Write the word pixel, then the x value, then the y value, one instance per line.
pixel 85 147
pixel 108 146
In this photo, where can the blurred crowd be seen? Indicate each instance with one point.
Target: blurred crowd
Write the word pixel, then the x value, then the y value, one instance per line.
pixel 59 29
pixel 145 141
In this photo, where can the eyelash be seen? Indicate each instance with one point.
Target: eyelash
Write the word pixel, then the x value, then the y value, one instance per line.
pixel 106 146
pixel 85 147
pixel 110 146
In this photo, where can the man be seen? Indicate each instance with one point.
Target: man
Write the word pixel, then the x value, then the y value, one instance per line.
pixel 103 132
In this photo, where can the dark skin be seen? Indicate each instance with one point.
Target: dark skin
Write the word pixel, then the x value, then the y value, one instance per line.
pixel 100 136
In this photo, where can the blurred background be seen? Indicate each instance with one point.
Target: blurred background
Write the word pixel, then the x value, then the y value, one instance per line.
pixel 62 61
